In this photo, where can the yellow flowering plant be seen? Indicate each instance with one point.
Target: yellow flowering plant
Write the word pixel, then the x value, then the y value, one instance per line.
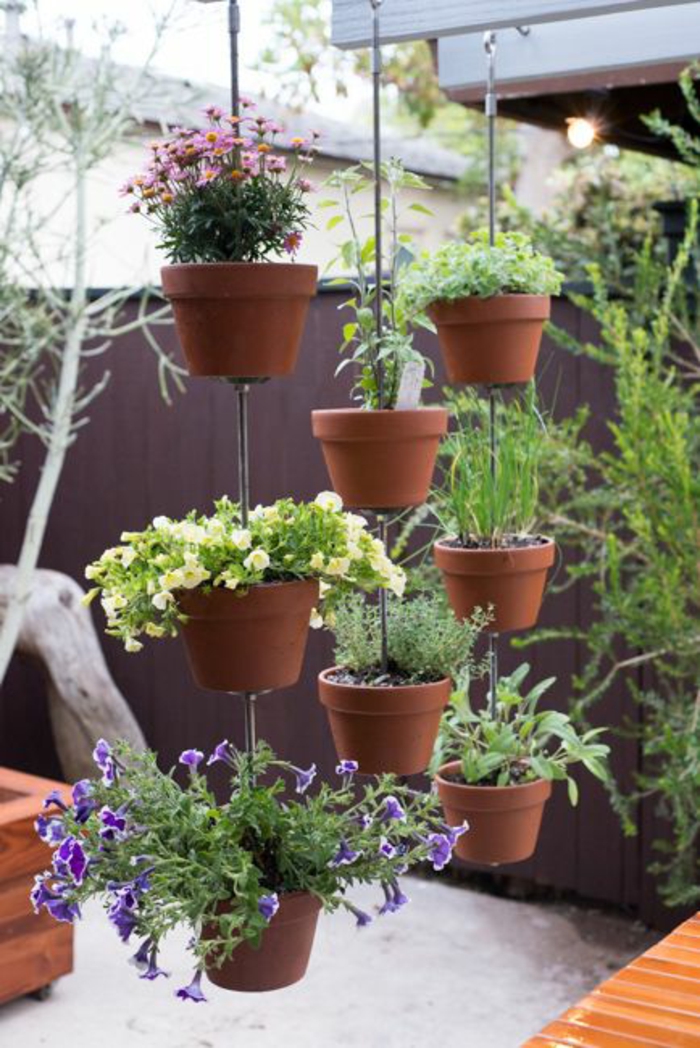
pixel 138 581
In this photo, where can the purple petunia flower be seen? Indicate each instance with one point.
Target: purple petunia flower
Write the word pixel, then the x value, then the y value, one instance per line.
pixel 70 861
pixel 344 856
pixel 386 849
pixel 440 851
pixel 193 992
pixel 62 910
pixel 221 753
pixel 113 824
pixel 54 798
pixel 268 905
pixel 394 898
pixel 140 958
pixel 347 768
pixel 304 778
pixel 83 804
pixel 364 821
pixel 393 810
pixel 41 893
pixel 453 833
pixel 51 831
pixel 191 758
pixel 102 756
pixel 121 913
pixel 153 971
pixel 362 919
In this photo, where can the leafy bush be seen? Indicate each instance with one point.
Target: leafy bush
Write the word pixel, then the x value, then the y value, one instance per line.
pixel 474 501
pixel 378 361
pixel 160 855
pixel 139 581
pixel 462 270
pixel 520 743
pixel 222 194
pixel 426 642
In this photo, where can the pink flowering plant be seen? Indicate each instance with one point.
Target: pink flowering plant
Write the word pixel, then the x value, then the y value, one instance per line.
pixel 160 854
pixel 225 192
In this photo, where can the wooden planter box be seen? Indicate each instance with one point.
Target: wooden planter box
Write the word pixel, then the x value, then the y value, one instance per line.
pixel 34 950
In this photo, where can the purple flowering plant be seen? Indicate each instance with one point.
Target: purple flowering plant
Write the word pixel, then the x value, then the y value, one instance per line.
pixel 159 851
pixel 224 192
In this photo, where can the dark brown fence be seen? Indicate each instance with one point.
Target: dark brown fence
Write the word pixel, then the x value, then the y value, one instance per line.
pixel 138 458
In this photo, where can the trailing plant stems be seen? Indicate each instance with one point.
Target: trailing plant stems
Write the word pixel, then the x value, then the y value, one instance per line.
pixel 491 110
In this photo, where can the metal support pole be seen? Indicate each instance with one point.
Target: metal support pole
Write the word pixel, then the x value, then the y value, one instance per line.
pixel 378 219
pixel 383 600
pixel 242 392
pixel 234 29
pixel 491 112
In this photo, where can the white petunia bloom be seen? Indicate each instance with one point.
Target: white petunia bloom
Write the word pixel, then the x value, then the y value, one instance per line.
pixel 258 560
pixel 316 620
pixel 192 572
pixel 317 562
pixel 112 603
pixel 128 556
pixel 241 538
pixel 330 501
pixel 161 522
pixel 162 599
pixel 338 566
pixel 133 645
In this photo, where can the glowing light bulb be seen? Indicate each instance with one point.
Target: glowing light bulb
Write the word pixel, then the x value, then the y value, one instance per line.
pixel 580 132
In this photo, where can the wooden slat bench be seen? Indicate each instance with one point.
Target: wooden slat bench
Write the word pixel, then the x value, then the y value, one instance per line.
pixel 653 1002
pixel 34 950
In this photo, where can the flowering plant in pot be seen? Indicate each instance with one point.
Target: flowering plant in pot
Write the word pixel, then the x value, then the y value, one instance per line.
pixel 495 768
pixel 242 597
pixel 492 555
pixel 247 876
pixel 380 455
pixel 488 303
pixel 387 720
pixel 226 201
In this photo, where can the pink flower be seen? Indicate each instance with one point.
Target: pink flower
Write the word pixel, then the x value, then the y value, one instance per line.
pixel 305 185
pixel 276 163
pixel 246 103
pixel 292 243
pixel 207 176
pixel 135 208
pixel 127 188
pixel 213 112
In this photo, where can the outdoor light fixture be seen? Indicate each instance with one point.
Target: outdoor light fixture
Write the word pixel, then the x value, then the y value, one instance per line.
pixel 580 131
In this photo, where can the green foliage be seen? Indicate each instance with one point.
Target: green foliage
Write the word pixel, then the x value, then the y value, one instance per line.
pixel 426 642
pixel 474 268
pixel 686 143
pixel 633 520
pixel 192 853
pixel 139 581
pixel 378 360
pixel 475 501
pixel 603 213
pixel 518 743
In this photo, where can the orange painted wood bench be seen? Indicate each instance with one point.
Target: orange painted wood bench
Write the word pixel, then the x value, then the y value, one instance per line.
pixel 34 950
pixel 653 1002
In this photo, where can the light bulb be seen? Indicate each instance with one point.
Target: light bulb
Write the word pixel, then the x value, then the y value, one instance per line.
pixel 580 132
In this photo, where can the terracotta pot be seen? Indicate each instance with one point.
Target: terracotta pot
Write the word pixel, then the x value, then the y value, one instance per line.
pixel 283 955
pixel 512 580
pixel 240 319
pixel 251 643
pixel 386 730
pixel 380 459
pixel 504 821
pixel 491 340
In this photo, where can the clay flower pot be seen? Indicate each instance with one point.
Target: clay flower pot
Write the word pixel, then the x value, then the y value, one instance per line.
pixel 504 821
pixel 384 729
pixel 491 340
pixel 380 459
pixel 240 319
pixel 283 955
pixel 254 642
pixel 511 579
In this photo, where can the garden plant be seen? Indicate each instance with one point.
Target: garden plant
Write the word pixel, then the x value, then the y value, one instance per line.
pixel 248 876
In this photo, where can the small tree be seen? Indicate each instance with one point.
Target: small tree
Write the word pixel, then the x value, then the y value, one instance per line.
pixel 58 113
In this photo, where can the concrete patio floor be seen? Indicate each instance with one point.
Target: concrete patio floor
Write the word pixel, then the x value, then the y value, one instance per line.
pixel 455 966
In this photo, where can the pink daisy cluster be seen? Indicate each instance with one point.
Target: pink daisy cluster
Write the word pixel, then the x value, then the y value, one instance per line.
pixel 233 151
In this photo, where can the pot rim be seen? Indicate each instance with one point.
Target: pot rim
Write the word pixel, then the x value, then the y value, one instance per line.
pixel 545 543
pixel 422 409
pixel 301 267
pixel 543 786
pixel 381 688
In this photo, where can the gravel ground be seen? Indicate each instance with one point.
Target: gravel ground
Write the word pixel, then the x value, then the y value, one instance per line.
pixel 456 967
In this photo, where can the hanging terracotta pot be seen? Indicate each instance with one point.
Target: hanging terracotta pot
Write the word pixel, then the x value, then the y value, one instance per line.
pixel 512 580
pixel 385 729
pixel 254 642
pixel 283 955
pixel 380 459
pixel 491 341
pixel 504 821
pixel 240 319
